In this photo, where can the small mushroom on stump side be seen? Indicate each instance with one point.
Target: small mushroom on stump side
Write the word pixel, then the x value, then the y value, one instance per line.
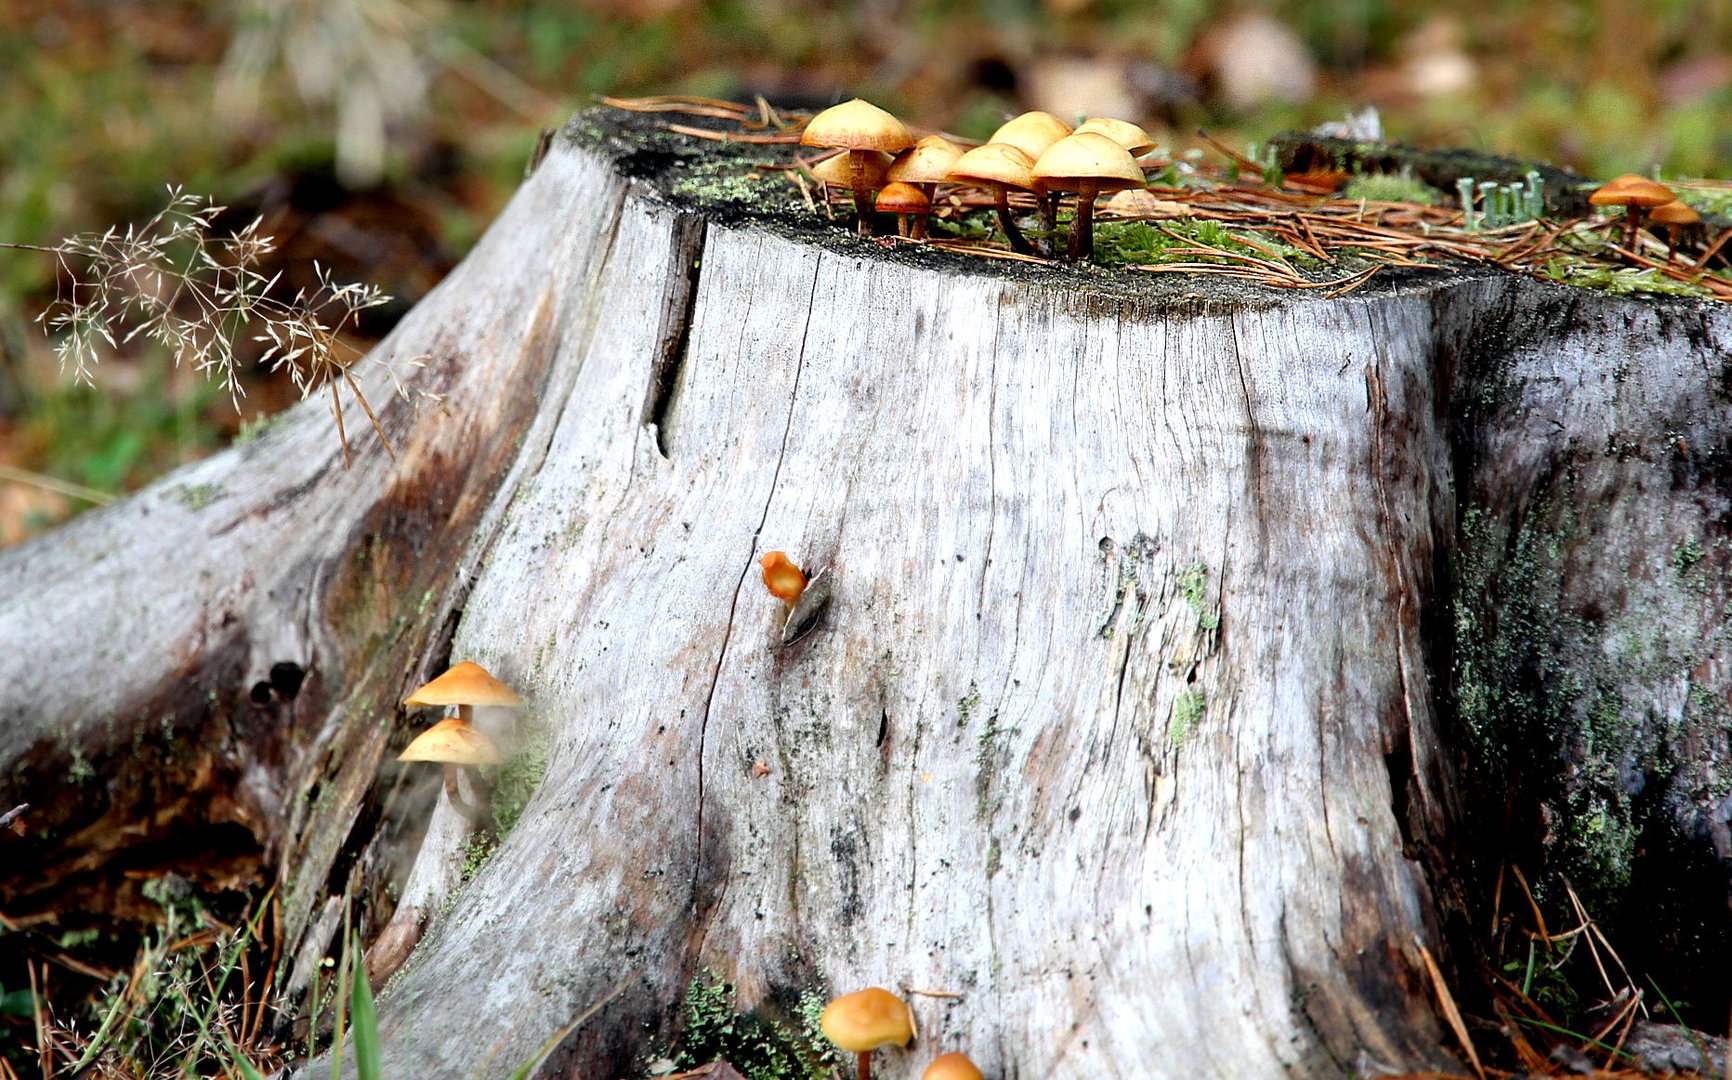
pixel 998 167
pixel 1087 164
pixel 804 598
pixel 1635 194
pixel 466 685
pixel 457 744
pixel 952 1066
pixel 863 1021
pixel 860 128
pixel 784 580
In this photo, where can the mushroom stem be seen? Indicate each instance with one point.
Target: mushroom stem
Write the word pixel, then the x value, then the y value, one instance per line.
pixel 466 713
pixel 865 1065
pixel 1632 219
pixel 1082 229
pixel 1048 220
pixel 919 230
pixel 480 815
pixel 1018 242
pixel 862 195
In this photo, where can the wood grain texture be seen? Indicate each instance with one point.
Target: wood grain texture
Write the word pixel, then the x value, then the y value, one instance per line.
pixel 1137 718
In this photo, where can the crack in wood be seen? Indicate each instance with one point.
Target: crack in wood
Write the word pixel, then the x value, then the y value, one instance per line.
pixel 673 338
pixel 733 607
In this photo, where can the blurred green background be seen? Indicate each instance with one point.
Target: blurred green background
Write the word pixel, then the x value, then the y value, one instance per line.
pixel 379 137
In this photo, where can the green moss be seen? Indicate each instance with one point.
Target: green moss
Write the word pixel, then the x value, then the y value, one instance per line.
pixel 1188 710
pixel 1194 586
pixel 197 496
pixel 479 848
pixel 1388 187
pixel 254 428
pixel 1138 243
pixel 1617 280
pixel 1686 555
pixel 762 1046
pixel 520 776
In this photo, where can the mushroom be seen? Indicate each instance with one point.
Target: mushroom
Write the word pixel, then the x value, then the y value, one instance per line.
pixel 1087 164
pixel 1677 216
pixel 906 201
pixel 839 170
pixel 1635 194
pixel 952 1066
pixel 863 1021
pixel 1034 133
pixel 925 165
pixel 784 580
pixel 860 128
pixel 465 685
pixel 457 744
pixel 999 167
pixel 1123 132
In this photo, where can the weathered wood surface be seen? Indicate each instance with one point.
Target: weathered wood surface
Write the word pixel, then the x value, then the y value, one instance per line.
pixel 1133 719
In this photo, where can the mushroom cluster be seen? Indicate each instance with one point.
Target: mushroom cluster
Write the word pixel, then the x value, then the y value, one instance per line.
pixel 1636 194
pixel 874 1018
pixel 1035 153
pixel 455 742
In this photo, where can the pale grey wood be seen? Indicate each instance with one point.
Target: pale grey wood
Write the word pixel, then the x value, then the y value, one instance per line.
pixel 1060 521
pixel 972 783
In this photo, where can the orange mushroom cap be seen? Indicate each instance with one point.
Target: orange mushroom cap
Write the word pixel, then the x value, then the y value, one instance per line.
pixel 467 683
pixel 900 197
pixel 782 577
pixel 857 125
pixel 838 170
pixel 867 1019
pixel 1676 212
pixel 1087 159
pixel 994 163
pixel 452 741
pixel 1633 191
pixel 1032 132
pixel 952 1066
pixel 927 162
pixel 1126 134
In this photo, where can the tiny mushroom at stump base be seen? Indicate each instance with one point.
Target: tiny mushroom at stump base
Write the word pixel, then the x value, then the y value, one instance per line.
pixel 456 743
pixel 1087 164
pixel 1635 194
pixel 952 1066
pixel 863 1021
pixel 860 128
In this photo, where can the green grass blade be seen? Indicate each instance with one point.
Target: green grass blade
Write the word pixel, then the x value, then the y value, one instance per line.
pixel 365 1021
pixel 239 1063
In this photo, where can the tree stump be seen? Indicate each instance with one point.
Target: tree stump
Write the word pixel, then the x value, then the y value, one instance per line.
pixel 1188 641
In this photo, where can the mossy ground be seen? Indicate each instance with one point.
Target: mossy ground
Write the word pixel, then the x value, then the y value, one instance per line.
pixel 762 1044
